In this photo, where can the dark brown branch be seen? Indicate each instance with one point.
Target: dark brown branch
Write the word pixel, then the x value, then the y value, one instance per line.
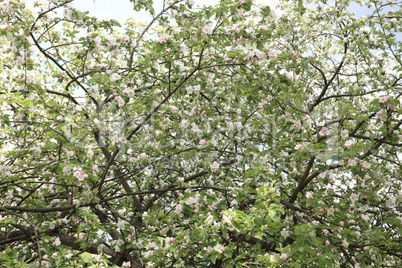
pixel 329 82
pixel 24 234
pixel 64 95
pixel 376 139
pixel 50 10
pixel 190 178
pixel 302 180
pixel 40 210
pixel 382 140
pixel 130 62
pixel 303 183
pixel 138 127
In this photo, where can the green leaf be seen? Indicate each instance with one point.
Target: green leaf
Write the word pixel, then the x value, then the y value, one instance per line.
pixel 237 225
pixel 260 45
pixel 213 258
pixel 247 6
pixel 228 254
pixel 11 254
pixel 86 257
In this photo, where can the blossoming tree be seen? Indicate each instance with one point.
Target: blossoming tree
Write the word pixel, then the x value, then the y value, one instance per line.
pixel 220 136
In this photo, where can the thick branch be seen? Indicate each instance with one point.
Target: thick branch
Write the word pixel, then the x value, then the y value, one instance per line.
pixel 69 241
pixel 45 210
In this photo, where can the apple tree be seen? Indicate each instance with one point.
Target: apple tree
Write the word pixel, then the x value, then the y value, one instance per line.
pixel 235 135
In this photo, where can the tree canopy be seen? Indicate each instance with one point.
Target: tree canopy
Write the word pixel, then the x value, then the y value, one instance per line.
pixel 235 135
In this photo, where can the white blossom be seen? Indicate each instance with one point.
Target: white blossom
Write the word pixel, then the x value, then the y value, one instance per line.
pixel 36 150
pixel 207 29
pixel 57 242
pixel 115 77
pixel 129 92
pixel 344 134
pixel 353 198
pixel 364 217
pixel 348 143
pixel 90 153
pixel 214 166
pixel 382 115
pixel 285 232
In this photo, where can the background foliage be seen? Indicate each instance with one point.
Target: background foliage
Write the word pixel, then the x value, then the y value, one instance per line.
pixel 224 136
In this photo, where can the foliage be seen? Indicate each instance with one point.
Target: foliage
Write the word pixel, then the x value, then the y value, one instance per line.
pixel 222 136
